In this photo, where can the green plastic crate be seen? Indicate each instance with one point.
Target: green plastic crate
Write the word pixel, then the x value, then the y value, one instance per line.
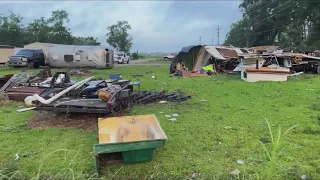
pixel 130 152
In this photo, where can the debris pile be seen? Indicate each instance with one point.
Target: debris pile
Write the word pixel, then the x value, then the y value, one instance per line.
pixel 272 63
pixel 91 95
pixel 18 86
pixel 79 72
pixel 149 97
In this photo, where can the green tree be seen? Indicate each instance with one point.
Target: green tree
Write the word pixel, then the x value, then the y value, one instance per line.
pixel 11 29
pixel 38 30
pixel 237 35
pixel 289 23
pixel 59 33
pixel 85 41
pixel 118 36
pixel 51 30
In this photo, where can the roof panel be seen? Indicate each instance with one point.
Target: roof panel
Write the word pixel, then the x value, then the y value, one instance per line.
pixel 214 52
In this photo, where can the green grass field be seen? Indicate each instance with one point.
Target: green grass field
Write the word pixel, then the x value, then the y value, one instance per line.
pixel 204 143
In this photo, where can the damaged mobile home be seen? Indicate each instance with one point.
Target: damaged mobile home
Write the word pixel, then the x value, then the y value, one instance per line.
pixel 192 60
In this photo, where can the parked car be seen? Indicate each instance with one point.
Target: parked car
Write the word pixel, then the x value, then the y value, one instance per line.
pixel 169 57
pixel 33 58
pixel 121 57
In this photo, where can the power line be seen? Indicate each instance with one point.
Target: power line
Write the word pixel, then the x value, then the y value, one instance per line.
pixel 277 27
pixel 266 5
pixel 276 12
pixel 269 5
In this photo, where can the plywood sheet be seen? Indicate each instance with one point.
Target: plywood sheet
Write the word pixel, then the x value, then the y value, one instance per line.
pixel 130 129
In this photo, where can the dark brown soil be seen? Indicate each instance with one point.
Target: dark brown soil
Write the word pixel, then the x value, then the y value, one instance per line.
pixel 43 119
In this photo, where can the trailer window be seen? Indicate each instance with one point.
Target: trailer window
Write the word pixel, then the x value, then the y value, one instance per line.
pixel 68 58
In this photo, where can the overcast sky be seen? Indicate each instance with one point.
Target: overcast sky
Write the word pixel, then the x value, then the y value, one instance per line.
pixel 164 26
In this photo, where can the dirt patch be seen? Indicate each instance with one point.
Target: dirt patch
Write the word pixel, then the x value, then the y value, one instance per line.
pixel 43 119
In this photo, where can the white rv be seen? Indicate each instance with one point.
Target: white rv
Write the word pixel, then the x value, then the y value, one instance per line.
pixel 80 56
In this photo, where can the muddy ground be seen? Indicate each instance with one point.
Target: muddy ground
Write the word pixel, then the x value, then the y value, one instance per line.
pixel 43 119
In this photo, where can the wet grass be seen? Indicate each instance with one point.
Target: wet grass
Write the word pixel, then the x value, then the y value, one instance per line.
pixel 204 143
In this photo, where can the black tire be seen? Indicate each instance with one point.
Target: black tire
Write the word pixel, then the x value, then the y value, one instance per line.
pixel 128 61
pixel 31 64
pixel 166 59
pixel 36 66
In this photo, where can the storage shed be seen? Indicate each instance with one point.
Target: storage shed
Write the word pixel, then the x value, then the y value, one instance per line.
pixel 5 52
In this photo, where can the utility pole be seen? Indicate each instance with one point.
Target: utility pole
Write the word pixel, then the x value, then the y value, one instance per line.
pixel 212 38
pixel 199 40
pixel 218 33
pixel 248 33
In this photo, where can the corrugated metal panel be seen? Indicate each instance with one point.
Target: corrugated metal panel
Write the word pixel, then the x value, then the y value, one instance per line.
pixel 214 52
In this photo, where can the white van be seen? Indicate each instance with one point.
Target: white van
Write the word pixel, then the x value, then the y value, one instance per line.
pixel 121 57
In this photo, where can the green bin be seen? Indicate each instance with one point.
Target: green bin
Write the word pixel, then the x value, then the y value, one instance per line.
pixel 128 139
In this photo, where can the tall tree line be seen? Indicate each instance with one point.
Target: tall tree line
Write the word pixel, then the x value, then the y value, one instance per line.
pixel 51 30
pixel 293 24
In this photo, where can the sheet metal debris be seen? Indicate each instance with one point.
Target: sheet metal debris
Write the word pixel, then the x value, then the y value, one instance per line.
pixel 25 109
pixel 23 84
pixel 240 162
pixel 235 172
pixel 144 97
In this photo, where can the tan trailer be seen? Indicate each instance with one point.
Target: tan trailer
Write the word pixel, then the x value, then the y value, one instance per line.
pixel 5 52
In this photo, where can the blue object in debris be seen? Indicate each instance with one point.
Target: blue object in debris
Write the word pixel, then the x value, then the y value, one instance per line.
pixel 115 76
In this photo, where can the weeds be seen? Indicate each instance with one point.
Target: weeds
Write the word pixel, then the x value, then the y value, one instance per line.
pixel 315 106
pixel 10 171
pixel 273 154
pixel 310 130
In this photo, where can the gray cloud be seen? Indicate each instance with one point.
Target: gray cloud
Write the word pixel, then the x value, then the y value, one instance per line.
pixel 157 26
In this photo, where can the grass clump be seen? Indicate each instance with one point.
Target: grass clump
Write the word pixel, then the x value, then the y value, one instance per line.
pixel 273 169
pixel 315 106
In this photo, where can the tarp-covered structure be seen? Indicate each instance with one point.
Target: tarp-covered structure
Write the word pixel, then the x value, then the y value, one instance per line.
pixel 187 56
pixel 192 58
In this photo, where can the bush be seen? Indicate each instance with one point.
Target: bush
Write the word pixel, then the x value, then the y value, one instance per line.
pixel 135 55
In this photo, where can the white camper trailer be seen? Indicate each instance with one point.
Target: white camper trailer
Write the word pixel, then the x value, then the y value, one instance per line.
pixel 80 56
